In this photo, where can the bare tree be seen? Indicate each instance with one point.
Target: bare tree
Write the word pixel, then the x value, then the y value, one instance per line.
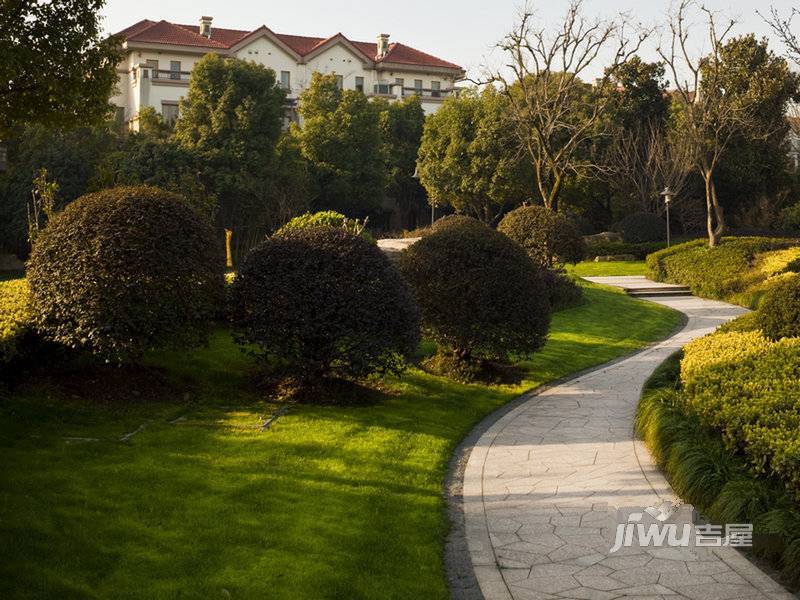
pixel 555 113
pixel 710 119
pixel 642 161
pixel 783 28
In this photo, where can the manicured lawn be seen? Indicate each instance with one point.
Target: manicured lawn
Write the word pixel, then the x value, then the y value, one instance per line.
pixel 329 502
pixel 590 268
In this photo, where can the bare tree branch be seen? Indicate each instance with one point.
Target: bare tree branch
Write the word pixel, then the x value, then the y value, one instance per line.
pixel 554 111
pixel 782 26
pixel 710 118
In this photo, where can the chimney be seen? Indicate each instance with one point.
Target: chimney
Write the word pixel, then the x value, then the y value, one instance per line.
pixel 205 26
pixel 383 45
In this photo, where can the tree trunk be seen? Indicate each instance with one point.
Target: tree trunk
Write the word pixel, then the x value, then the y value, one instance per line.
pixel 718 214
pixel 713 234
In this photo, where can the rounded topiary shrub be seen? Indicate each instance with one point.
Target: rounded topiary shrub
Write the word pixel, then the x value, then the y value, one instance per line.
pixel 124 270
pixel 548 237
pixel 321 302
pixel 641 227
pixel 779 312
pixel 480 296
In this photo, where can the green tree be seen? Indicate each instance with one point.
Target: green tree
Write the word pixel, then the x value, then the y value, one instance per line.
pixel 468 157
pixel 57 67
pixel 754 165
pixel 231 120
pixel 639 93
pixel 70 158
pixel 401 130
pixel 150 159
pixel 341 139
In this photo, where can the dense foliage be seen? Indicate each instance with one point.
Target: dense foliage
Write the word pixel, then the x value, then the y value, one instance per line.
pixel 548 237
pixel 721 272
pixel 641 227
pixel 466 159
pixel 15 318
pixel 480 295
pixel 231 119
pixel 748 388
pixel 124 270
pixel 58 66
pixel 639 250
pixel 779 311
pixel 342 141
pixel 321 302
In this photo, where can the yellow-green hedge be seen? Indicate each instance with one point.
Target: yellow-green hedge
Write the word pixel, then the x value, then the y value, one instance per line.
pixel 734 270
pixel 748 388
pixel 14 317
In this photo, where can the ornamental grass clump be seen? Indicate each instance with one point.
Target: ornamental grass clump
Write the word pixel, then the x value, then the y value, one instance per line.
pixel 320 304
pixel 125 270
pixel 481 298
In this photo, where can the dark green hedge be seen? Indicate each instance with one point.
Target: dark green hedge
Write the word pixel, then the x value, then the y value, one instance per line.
pixel 641 227
pixel 640 250
pixel 124 270
pixel 548 237
pixel 480 295
pixel 320 302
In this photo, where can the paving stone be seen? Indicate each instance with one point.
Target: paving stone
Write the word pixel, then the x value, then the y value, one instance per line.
pixel 546 481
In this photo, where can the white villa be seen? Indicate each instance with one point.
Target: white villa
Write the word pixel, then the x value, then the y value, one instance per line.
pixel 160 56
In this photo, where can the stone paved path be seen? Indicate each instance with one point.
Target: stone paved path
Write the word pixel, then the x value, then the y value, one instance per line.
pixel 542 484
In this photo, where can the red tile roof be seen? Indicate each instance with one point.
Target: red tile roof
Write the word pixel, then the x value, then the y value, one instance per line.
pixel 163 32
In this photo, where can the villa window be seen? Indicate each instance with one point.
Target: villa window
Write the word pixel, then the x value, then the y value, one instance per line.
pixel 286 80
pixel 340 82
pixel 174 69
pixel 169 112
pixel 360 84
pixel 418 87
pixel 400 83
pixel 436 89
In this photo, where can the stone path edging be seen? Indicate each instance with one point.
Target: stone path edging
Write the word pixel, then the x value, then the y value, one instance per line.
pixel 529 518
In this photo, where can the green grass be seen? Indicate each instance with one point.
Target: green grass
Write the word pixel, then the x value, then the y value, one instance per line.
pixel 329 502
pixel 590 268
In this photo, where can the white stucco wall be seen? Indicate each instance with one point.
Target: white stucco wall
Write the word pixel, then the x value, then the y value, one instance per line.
pixel 136 91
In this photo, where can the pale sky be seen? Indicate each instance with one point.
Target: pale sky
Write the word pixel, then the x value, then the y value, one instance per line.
pixel 461 31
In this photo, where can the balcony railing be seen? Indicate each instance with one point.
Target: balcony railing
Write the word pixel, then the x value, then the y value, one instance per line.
pixel 163 75
pixel 395 90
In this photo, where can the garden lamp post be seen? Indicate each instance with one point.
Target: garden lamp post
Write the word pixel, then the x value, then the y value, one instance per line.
pixel 433 207
pixel 667 193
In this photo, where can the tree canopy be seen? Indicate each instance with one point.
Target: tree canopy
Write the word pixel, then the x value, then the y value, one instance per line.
pixel 341 139
pixel 467 158
pixel 57 68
